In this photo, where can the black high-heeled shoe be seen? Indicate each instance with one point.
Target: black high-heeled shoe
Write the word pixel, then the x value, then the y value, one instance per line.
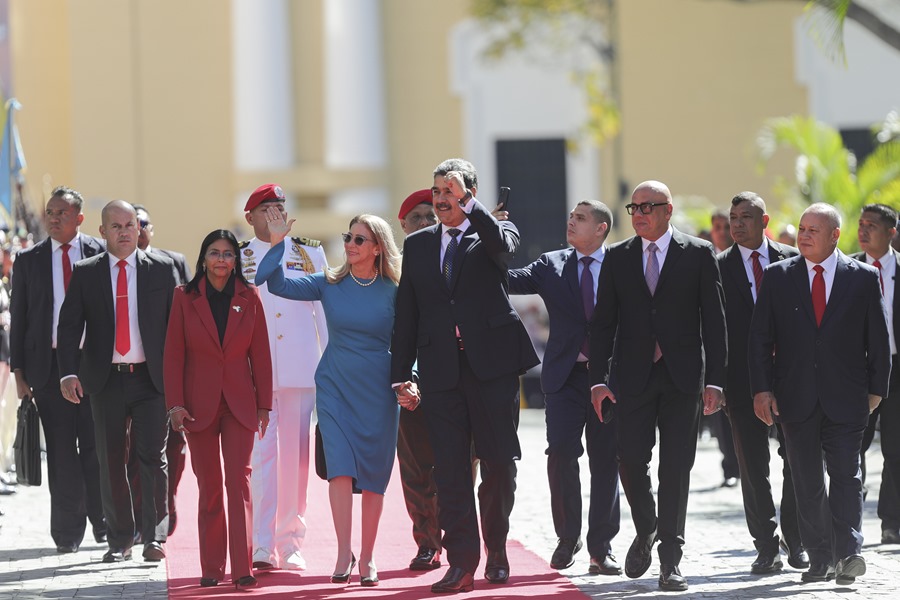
pixel 345 576
pixel 247 581
pixel 370 581
pixel 208 582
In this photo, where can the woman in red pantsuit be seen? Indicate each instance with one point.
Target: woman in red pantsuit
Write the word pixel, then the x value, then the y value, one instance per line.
pixel 218 379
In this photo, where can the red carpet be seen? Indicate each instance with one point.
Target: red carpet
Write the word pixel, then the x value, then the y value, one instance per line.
pixel 531 576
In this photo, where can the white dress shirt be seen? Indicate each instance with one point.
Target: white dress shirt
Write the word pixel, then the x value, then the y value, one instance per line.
pixel 888 273
pixel 829 264
pixel 59 289
pixel 662 247
pixel 135 353
pixel 748 264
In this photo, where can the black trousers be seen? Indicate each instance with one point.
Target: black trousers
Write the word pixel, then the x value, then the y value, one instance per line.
pixel 569 414
pixel 73 474
pixel 677 416
pixel 751 444
pixel 722 431
pixel 416 460
pixel 132 396
pixel 486 412
pixel 889 414
pixel 175 460
pixel 830 522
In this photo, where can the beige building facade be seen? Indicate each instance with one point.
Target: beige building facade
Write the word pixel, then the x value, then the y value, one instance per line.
pixel 187 105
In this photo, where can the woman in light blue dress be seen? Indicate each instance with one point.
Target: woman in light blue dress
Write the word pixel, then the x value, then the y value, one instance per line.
pixel 357 409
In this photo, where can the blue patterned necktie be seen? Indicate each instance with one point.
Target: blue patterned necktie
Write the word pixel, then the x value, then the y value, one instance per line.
pixel 447 266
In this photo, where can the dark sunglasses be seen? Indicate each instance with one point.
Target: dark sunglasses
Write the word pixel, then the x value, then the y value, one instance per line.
pixel 644 208
pixel 143 223
pixel 356 239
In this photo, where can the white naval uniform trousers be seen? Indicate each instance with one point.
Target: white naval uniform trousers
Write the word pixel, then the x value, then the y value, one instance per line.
pixel 280 461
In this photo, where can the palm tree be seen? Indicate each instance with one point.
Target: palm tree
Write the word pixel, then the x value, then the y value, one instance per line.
pixel 826 171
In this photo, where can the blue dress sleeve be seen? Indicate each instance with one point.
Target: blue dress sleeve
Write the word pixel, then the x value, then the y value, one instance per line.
pixel 271 273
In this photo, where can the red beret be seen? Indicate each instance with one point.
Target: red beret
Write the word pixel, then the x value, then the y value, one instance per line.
pixel 414 199
pixel 264 193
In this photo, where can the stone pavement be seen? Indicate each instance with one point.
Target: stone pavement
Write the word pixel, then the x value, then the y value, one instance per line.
pixel 717 556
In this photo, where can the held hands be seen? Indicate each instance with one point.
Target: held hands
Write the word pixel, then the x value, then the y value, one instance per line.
pixel 408 395
pixel 71 390
pixel 765 406
pixel 262 416
pixel 277 227
pixel 598 395
pixel 874 401
pixel 713 400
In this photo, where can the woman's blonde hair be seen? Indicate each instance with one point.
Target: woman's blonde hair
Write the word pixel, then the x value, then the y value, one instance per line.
pixel 388 260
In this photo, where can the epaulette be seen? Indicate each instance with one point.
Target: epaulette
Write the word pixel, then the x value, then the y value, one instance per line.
pixel 307 241
pixel 244 244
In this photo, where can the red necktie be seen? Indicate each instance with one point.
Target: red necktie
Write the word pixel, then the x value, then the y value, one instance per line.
pixel 67 266
pixel 123 336
pixel 587 297
pixel 818 293
pixel 757 270
pixel 877 265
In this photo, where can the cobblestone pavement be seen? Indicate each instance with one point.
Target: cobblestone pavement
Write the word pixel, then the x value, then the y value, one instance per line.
pixel 716 562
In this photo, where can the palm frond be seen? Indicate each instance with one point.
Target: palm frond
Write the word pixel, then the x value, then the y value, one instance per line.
pixel 825 21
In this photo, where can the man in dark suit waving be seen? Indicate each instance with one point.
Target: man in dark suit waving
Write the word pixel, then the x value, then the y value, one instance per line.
pixel 742 268
pixel 40 280
pixel 121 299
pixel 567 282
pixel 820 361
pixel 660 318
pixel 453 312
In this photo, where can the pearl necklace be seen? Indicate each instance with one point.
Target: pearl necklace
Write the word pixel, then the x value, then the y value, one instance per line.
pixel 361 284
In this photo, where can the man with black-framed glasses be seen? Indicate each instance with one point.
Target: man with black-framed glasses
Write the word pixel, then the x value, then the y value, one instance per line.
pixel 660 317
pixel 297 338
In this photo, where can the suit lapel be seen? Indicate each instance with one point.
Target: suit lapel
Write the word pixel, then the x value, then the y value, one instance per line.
pixel 433 248
pixel 838 287
pixel 105 274
pixel 676 249
pixel 635 252
pixel 239 307
pixel 459 258
pixel 775 253
pixel 143 277
pixel 201 305
pixel 734 261
pixel 46 270
pixel 570 275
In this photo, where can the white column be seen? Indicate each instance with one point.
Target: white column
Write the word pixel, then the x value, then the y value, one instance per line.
pixel 262 80
pixel 355 128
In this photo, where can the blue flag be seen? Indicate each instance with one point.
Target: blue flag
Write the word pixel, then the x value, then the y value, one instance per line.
pixel 12 161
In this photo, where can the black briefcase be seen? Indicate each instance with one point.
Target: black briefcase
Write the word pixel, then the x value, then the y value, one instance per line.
pixel 28 443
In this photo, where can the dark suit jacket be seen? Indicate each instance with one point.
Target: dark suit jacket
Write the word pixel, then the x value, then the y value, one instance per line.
pixel 861 256
pixel 554 276
pixel 31 335
pixel 835 365
pixel 686 315
pixel 738 311
pixel 200 371
pixel 181 267
pixel 89 302
pixel 476 301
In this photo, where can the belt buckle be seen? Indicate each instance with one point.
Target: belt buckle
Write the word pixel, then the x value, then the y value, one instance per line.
pixel 125 367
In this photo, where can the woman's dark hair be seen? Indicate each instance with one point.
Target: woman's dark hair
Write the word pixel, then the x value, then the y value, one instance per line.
pixel 200 272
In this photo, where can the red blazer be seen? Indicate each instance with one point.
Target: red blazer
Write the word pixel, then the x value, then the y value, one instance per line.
pixel 199 370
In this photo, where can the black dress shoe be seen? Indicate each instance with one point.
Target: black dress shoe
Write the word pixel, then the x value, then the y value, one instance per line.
pixel 890 536
pixel 797 556
pixel 604 566
pixel 154 552
pixel 247 581
pixel 114 556
pixel 766 562
pixel 67 548
pixel 564 555
pixel 670 579
pixel 455 580
pixel 208 582
pixel 100 536
pixel 817 572
pixel 849 568
pixel 638 559
pixel 496 569
pixel 427 559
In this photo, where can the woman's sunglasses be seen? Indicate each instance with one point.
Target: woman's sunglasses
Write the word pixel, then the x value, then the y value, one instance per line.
pixel 356 239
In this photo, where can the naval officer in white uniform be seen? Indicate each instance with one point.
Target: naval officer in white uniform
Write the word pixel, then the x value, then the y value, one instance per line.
pixel 297 337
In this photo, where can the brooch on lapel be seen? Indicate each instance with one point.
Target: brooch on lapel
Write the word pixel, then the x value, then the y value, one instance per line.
pixel 236 309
